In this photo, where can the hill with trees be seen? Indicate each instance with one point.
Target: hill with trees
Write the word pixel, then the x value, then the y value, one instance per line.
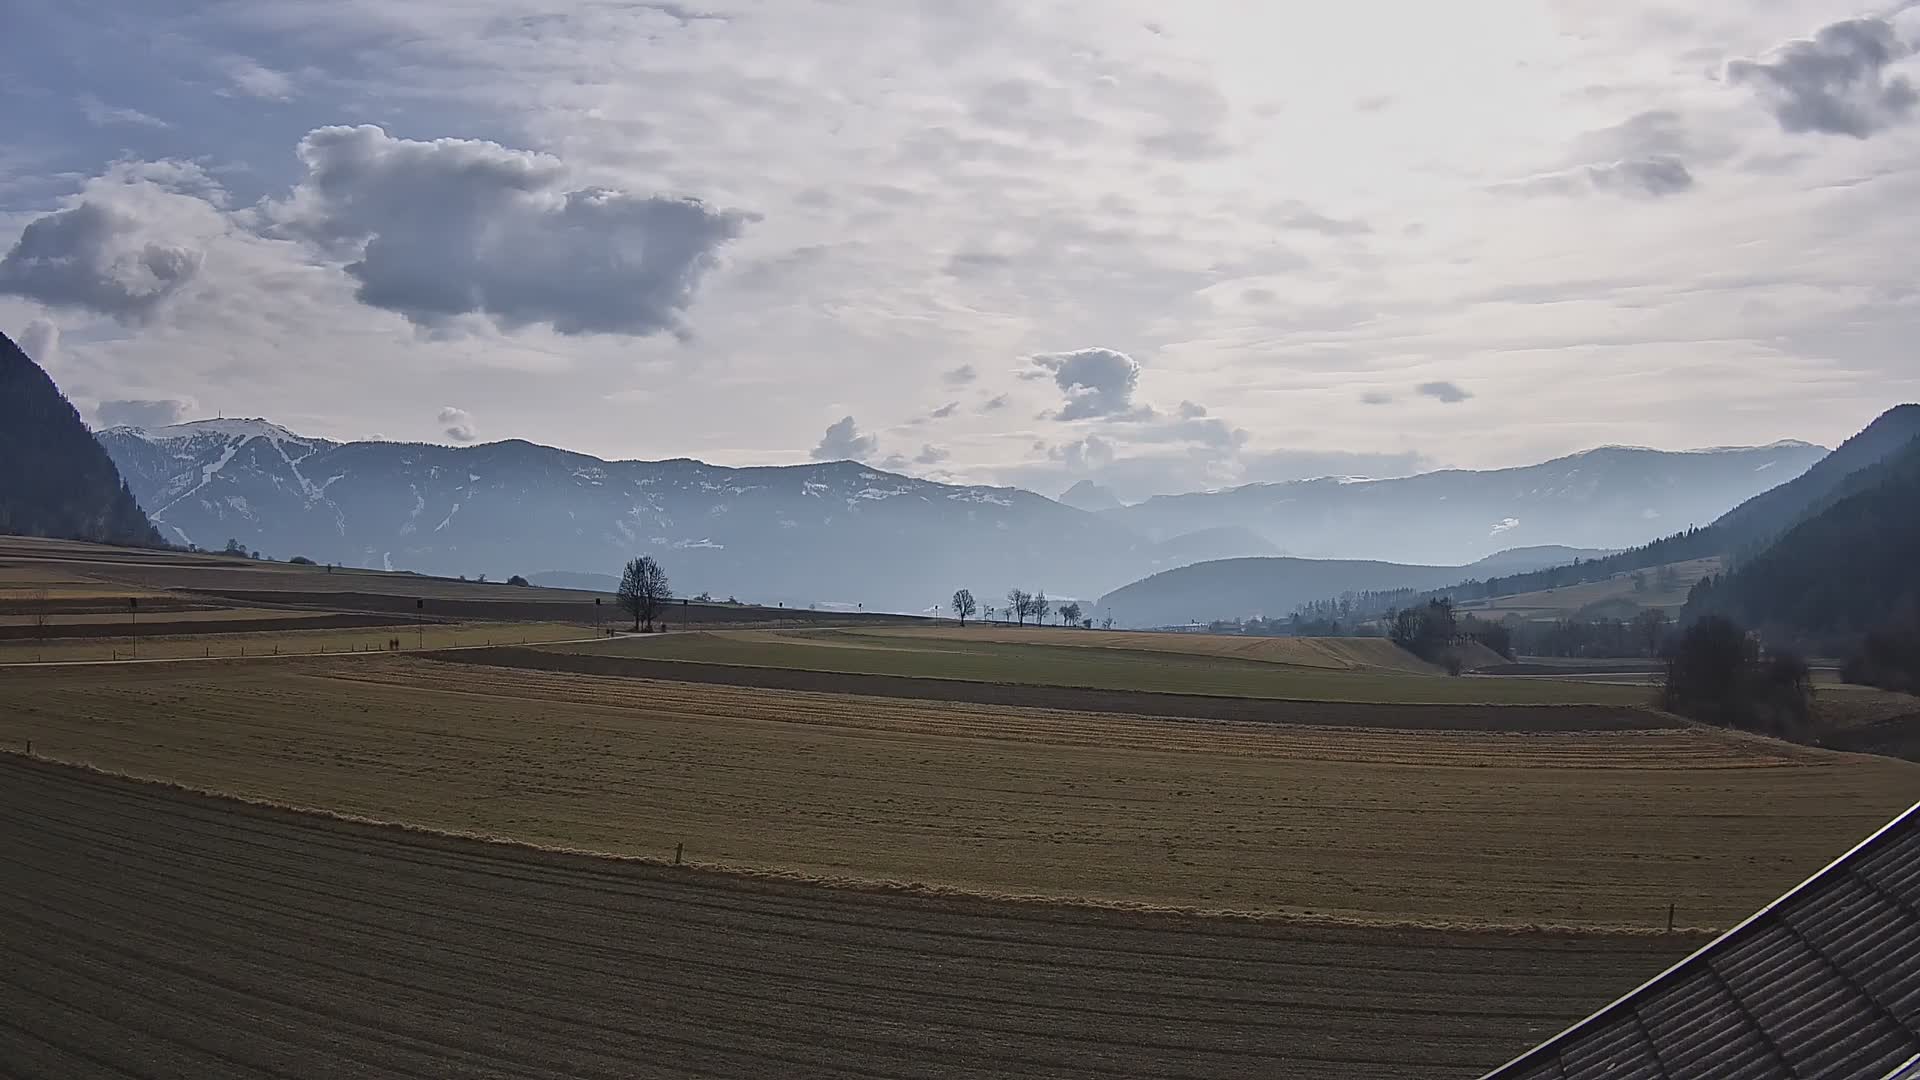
pixel 1740 534
pixel 1849 569
pixel 55 479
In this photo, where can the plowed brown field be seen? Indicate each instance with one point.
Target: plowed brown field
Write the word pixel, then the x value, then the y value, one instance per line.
pixel 1576 828
pixel 153 933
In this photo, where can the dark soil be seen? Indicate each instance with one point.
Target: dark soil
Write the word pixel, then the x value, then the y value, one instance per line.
pixel 155 933
pixel 1138 703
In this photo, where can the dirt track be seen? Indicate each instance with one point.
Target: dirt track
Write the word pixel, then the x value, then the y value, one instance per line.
pixel 1530 718
pixel 150 932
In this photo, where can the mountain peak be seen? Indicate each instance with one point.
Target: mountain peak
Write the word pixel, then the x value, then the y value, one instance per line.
pixel 228 428
pixel 1089 496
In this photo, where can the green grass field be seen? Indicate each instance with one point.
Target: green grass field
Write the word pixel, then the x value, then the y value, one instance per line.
pixel 926 655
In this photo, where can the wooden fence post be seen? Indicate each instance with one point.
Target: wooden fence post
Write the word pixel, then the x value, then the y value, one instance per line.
pixel 1669 918
pixel 677 849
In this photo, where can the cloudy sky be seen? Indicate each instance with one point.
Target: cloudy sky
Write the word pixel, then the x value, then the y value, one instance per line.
pixel 1164 246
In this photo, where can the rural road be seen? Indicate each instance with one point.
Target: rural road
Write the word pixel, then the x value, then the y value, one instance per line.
pixel 155 933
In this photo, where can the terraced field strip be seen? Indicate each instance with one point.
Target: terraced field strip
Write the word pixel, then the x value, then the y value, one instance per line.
pixel 1577 828
pixel 1336 654
pixel 281 637
pixel 154 933
pixel 1034 662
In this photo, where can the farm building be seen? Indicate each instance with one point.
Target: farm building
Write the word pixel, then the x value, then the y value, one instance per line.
pixel 1824 982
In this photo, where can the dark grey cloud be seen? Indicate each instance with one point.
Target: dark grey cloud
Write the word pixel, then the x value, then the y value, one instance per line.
pixel 1444 391
pixel 995 403
pixel 455 226
pixel 94 256
pixel 458 424
pixel 141 413
pixel 1652 177
pixel 1834 82
pixel 1277 466
pixel 1097 382
pixel 844 441
pixel 945 411
pixel 960 376
pixel 1376 397
pixel 932 455
pixel 40 340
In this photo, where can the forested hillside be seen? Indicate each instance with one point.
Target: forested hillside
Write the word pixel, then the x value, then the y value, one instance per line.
pixel 55 480
pixel 1851 568
pixel 1743 532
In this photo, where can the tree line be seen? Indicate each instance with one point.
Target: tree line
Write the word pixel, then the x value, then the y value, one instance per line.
pixel 1022 606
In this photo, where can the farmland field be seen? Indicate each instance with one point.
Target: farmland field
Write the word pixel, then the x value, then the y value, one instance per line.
pixel 1582 828
pixel 153 932
pixel 283 637
pixel 1160 663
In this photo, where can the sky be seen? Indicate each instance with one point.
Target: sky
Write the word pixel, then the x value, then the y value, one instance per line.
pixel 1162 247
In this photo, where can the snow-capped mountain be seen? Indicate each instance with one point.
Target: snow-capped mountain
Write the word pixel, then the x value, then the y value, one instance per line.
pixel 1610 497
pixel 832 532
pixel 845 532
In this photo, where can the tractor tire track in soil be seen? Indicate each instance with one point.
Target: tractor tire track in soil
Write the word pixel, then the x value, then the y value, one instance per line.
pixel 1530 718
pixel 154 932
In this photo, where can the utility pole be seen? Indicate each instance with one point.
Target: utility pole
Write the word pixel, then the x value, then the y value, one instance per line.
pixel 133 614
pixel 420 619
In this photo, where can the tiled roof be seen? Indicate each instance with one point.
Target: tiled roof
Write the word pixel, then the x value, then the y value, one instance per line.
pixel 1824 982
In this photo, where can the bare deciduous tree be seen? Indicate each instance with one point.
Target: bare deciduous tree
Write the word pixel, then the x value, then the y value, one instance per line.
pixel 1019 604
pixel 964 605
pixel 1041 608
pixel 643 589
pixel 1070 613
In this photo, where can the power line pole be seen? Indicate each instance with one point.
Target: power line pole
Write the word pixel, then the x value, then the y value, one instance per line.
pixel 133 613
pixel 420 619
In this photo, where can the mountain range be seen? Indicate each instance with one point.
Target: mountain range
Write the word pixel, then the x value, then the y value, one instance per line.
pixel 1610 497
pixel 842 532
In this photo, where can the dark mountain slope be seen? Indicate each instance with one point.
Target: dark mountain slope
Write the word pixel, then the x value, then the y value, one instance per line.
pixel 55 480
pixel 1851 567
pixel 1772 512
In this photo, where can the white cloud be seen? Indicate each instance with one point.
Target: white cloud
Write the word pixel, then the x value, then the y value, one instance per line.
pixel 457 424
pixel 1096 382
pixel 41 341
pixel 254 80
pixel 844 441
pixel 100 114
pixel 142 413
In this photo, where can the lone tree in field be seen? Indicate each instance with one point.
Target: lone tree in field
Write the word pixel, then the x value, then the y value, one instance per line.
pixel 1041 608
pixel 1070 614
pixel 1019 604
pixel 643 590
pixel 964 605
